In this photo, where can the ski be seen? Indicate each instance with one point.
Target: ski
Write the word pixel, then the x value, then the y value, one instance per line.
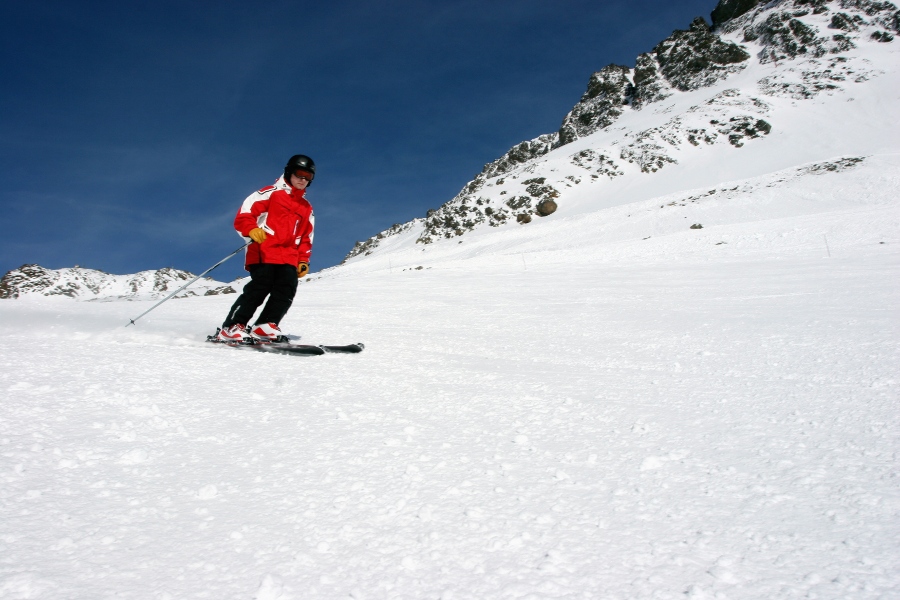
pixel 292 349
pixel 284 347
pixel 348 349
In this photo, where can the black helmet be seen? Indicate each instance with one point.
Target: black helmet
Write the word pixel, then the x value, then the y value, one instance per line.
pixel 298 162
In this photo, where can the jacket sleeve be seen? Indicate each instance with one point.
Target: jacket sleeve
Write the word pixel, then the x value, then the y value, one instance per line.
pixel 247 217
pixel 306 239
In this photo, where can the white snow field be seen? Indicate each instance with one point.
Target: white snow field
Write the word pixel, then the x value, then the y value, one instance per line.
pixel 609 417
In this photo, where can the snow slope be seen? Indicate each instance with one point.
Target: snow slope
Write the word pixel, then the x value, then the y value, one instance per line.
pixel 613 417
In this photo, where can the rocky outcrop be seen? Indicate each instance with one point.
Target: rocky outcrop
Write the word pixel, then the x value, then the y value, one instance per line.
pixel 784 37
pixel 514 158
pixel 697 57
pixel 607 92
pixel 648 83
pixel 686 60
pixel 598 164
pixel 726 10
pixel 462 214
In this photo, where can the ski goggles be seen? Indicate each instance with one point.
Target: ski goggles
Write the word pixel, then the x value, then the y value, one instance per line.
pixel 301 174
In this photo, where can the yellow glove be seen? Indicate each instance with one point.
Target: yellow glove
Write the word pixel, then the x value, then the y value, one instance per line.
pixel 257 235
pixel 302 270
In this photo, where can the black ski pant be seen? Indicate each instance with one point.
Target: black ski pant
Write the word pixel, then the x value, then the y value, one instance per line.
pixel 278 282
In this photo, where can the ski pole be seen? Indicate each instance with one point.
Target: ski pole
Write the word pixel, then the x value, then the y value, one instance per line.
pixel 131 321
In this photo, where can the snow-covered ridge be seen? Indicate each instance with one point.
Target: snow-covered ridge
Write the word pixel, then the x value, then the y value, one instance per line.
pixel 766 73
pixel 90 284
pixel 849 200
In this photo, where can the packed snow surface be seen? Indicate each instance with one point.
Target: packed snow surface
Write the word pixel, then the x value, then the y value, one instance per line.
pixel 704 413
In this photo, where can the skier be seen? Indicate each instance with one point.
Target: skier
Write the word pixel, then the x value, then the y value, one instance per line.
pixel 279 220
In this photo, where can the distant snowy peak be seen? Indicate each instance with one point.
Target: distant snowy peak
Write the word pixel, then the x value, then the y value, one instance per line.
pixel 788 49
pixel 90 284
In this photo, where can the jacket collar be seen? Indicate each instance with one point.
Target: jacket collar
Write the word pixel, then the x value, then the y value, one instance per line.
pixel 294 192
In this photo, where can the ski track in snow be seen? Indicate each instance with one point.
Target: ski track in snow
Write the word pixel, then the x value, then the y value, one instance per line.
pixel 722 427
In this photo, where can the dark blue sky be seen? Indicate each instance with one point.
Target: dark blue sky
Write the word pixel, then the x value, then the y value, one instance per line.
pixel 131 132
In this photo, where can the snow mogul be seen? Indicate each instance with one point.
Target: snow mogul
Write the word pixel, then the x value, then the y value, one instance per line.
pixel 279 220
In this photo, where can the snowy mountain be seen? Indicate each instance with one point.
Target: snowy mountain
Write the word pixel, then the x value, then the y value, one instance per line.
pixel 90 284
pixel 772 86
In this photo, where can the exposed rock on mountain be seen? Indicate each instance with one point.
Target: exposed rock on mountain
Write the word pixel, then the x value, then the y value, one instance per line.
pixel 90 284
pixel 784 37
pixel 608 89
pixel 697 57
pixel 648 84
pixel 517 156
pixel 686 60
pixel 730 9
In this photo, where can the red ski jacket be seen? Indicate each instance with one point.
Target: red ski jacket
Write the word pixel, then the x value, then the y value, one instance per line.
pixel 288 220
